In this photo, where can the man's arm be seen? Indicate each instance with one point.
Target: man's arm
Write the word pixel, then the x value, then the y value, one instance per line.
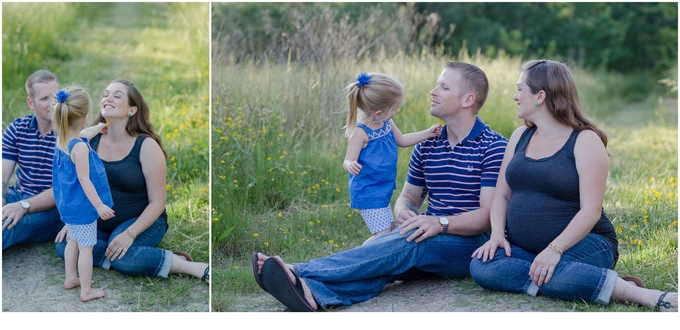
pixel 474 222
pixel 14 211
pixel 464 224
pixel 42 201
pixel 409 202
pixel 7 170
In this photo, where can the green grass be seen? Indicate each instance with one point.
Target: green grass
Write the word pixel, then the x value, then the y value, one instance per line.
pixel 279 188
pixel 156 47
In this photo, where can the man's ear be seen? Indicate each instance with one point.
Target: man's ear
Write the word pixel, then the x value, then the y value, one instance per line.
pixel 30 103
pixel 469 100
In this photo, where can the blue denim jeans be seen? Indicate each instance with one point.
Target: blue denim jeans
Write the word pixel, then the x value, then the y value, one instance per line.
pixel 360 273
pixel 584 273
pixel 143 258
pixel 33 227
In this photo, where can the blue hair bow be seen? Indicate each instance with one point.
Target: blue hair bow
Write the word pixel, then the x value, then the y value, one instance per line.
pixel 61 96
pixel 363 79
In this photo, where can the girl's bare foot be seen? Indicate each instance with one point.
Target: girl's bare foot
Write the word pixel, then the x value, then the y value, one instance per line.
pixel 93 293
pixel 71 283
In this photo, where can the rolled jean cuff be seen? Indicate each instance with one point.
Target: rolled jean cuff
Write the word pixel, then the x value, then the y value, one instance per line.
pixel 607 290
pixel 167 263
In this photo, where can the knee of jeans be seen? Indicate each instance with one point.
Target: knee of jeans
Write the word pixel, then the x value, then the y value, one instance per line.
pixel 479 270
pixel 120 265
pixel 130 266
pixel 60 247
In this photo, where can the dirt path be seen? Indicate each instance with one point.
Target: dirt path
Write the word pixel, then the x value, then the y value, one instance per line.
pixel 33 277
pixel 427 295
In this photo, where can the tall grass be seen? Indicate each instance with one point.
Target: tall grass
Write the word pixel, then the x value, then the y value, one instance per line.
pixel 278 134
pixel 279 188
pixel 28 42
pixel 27 45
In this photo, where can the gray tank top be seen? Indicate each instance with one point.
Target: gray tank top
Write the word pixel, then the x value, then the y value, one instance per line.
pixel 128 187
pixel 545 197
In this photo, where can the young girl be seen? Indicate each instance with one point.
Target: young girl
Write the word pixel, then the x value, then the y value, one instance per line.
pixel 81 190
pixel 371 158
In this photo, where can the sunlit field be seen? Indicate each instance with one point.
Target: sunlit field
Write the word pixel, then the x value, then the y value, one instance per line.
pixel 279 187
pixel 158 48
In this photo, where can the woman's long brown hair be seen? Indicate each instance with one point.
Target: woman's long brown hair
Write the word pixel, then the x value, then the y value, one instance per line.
pixel 561 95
pixel 139 124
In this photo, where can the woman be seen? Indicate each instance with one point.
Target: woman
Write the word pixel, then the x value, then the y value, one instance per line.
pixel 549 232
pixel 134 160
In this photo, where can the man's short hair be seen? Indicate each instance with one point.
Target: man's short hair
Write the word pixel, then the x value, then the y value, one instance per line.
pixel 40 76
pixel 474 80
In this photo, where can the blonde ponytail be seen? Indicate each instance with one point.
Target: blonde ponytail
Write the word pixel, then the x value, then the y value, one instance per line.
pixel 370 93
pixel 70 105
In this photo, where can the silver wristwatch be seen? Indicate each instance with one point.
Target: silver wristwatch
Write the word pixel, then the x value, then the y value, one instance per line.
pixel 26 206
pixel 445 223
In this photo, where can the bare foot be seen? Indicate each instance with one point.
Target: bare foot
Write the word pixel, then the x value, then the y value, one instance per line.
pixel 93 294
pixel 260 261
pixel 71 283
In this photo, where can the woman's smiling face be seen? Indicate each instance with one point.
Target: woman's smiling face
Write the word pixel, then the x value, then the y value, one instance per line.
pixel 115 102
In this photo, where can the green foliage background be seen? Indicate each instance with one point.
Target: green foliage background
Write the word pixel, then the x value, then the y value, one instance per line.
pixel 278 186
pixel 638 38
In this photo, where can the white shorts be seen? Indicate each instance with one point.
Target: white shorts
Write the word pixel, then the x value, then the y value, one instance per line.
pixel 85 235
pixel 377 220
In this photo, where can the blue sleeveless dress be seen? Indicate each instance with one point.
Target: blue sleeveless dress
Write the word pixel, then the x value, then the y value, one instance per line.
pixel 69 196
pixel 372 188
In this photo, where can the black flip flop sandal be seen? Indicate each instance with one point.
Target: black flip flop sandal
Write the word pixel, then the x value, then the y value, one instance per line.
pixel 665 306
pixel 276 281
pixel 206 275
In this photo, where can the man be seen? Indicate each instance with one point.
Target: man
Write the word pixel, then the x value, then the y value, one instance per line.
pixel 457 171
pixel 28 210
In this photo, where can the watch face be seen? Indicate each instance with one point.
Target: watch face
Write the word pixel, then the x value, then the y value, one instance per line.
pixel 444 221
pixel 25 204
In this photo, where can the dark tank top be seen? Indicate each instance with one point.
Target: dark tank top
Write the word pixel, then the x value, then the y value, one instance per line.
pixel 545 197
pixel 128 187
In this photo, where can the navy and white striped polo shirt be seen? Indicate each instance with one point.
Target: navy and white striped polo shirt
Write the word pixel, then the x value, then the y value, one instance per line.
pixel 454 177
pixel 33 153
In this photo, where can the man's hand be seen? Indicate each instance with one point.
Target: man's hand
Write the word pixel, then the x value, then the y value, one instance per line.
pixel 425 226
pixel 63 234
pixel 405 215
pixel 11 214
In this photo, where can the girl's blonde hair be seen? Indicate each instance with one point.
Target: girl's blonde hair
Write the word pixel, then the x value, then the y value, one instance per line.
pixel 382 92
pixel 74 107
